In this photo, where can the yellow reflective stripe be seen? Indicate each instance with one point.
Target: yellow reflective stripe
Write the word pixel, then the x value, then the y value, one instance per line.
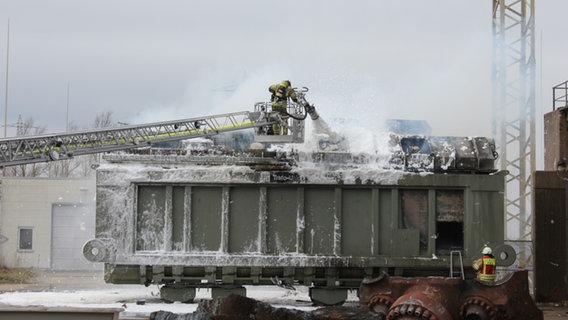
pixel 483 276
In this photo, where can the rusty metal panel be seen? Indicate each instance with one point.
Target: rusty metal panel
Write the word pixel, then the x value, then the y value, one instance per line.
pixel 550 237
pixel 449 298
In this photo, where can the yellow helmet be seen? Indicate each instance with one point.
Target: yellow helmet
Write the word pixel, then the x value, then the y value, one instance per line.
pixel 287 83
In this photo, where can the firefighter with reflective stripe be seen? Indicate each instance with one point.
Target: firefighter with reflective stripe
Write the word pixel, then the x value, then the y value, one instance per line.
pixel 485 266
pixel 281 92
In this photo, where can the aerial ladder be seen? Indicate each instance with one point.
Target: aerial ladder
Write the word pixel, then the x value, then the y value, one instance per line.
pixel 52 147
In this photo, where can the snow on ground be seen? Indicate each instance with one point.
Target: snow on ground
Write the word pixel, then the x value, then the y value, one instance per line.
pixel 131 297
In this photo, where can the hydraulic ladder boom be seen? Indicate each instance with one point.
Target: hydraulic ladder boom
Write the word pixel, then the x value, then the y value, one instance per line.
pixel 50 147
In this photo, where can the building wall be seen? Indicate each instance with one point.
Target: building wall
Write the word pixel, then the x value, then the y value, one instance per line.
pixel 550 226
pixel 29 202
pixel 555 140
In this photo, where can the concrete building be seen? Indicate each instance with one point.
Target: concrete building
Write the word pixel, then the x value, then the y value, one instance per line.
pixel 45 222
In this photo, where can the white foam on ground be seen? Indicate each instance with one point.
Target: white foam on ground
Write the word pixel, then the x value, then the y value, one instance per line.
pixel 126 297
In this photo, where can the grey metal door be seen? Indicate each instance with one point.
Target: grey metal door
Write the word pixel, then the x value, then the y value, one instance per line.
pixel 72 226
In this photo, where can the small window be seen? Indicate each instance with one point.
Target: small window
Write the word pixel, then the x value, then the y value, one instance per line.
pixel 26 238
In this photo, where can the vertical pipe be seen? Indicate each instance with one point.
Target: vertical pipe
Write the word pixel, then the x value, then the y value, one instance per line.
pixel 225 195
pixel 337 223
pixel 168 219
pixel 187 219
pixel 262 219
pixel 67 111
pixel 432 218
pixel 300 221
pixel 6 95
pixel 375 221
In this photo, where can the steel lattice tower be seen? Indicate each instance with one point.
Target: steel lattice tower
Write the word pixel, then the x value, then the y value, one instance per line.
pixel 513 115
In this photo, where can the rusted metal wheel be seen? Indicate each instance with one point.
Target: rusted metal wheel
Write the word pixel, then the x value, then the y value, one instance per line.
pixel 410 311
pixel 380 304
pixel 478 308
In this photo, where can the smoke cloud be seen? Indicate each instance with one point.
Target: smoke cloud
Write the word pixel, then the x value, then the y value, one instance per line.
pixel 366 61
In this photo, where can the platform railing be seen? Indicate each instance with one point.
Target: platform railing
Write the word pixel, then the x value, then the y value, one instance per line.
pixel 560 95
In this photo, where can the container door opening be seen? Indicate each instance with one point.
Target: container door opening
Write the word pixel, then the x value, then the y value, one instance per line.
pixel 449 221
pixel 449 237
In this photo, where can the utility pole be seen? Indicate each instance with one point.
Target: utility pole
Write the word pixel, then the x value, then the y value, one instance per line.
pixel 6 94
pixel 67 111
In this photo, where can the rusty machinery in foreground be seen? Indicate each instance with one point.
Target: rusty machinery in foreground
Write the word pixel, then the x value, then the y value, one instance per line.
pixel 392 298
pixel 437 298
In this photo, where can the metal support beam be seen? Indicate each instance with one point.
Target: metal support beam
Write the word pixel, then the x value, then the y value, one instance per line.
pixel 514 114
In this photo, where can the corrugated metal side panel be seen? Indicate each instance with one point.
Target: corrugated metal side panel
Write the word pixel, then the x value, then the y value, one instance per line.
pixel 316 220
pixel 358 229
pixel 150 218
pixel 206 230
pixel 179 216
pixel 388 219
pixel 281 221
pixel 245 220
pixel 320 207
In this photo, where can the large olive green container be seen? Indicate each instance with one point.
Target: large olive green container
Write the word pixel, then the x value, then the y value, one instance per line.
pixel 189 225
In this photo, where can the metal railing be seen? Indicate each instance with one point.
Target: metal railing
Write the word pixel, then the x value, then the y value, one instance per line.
pixel 560 95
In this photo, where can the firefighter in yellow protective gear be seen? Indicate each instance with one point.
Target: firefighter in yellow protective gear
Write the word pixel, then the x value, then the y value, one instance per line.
pixel 485 266
pixel 281 92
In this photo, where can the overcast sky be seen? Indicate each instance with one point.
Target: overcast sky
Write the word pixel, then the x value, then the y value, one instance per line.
pixel 162 60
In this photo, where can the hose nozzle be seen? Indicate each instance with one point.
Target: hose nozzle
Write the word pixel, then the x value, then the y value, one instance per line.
pixel 311 110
